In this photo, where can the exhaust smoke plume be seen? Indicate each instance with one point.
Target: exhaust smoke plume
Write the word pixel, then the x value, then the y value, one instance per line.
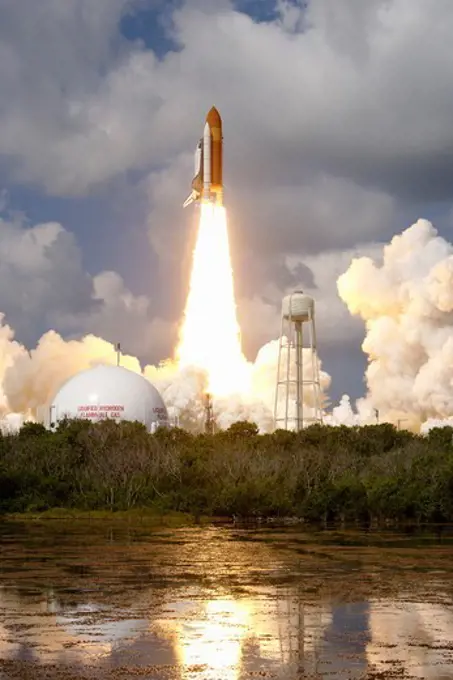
pixel 406 302
pixel 30 380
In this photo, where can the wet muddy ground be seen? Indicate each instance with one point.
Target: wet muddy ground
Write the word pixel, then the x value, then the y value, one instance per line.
pixel 91 600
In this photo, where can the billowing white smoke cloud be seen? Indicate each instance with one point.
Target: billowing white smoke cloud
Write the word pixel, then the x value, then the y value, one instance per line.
pixel 406 302
pixel 10 351
pixel 344 413
pixel 435 422
pixel 33 378
pixel 183 392
pixel 30 379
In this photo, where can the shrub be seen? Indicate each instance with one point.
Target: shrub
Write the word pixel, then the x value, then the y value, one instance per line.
pixel 319 474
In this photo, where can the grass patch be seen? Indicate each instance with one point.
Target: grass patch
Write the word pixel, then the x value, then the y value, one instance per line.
pixel 133 516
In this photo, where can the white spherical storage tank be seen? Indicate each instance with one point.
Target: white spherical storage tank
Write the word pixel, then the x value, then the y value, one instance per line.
pixel 110 392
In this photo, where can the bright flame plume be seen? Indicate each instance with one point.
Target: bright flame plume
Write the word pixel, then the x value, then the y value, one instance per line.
pixel 210 334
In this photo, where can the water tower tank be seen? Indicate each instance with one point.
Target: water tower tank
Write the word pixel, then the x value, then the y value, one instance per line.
pixel 298 306
pixel 110 392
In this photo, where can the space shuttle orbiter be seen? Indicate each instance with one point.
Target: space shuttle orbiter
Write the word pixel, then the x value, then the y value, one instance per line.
pixel 207 185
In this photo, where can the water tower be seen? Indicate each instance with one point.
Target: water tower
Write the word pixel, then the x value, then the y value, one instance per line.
pixel 298 392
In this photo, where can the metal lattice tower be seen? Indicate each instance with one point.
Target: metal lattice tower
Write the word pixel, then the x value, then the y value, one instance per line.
pixel 298 391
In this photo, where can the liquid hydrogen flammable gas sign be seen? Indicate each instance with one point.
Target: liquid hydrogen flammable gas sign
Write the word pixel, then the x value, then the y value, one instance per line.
pixel 100 411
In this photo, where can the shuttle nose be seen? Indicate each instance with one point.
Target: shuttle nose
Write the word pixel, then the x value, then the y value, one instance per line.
pixel 213 118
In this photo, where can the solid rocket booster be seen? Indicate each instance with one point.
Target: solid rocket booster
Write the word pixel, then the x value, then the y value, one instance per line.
pixel 207 185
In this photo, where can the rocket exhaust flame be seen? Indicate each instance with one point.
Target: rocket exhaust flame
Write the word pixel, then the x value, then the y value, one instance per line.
pixel 210 334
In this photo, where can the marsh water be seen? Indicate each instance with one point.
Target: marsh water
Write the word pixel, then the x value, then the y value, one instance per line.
pixel 92 600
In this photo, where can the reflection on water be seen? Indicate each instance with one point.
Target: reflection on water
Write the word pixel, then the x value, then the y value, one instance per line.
pixel 212 639
pixel 229 637
pixel 422 634
pixel 217 603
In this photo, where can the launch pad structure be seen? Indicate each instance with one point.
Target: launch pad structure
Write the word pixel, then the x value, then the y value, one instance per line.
pixel 209 423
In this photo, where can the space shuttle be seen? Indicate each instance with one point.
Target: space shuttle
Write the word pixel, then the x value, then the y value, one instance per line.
pixel 207 185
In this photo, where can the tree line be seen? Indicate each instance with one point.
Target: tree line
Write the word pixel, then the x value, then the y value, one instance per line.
pixel 371 474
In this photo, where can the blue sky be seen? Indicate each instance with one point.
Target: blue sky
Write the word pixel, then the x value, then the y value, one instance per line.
pixel 149 24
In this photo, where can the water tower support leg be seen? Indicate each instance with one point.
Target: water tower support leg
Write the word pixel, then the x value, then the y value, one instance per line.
pixel 299 377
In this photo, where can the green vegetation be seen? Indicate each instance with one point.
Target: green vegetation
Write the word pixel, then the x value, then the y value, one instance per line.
pixel 368 474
